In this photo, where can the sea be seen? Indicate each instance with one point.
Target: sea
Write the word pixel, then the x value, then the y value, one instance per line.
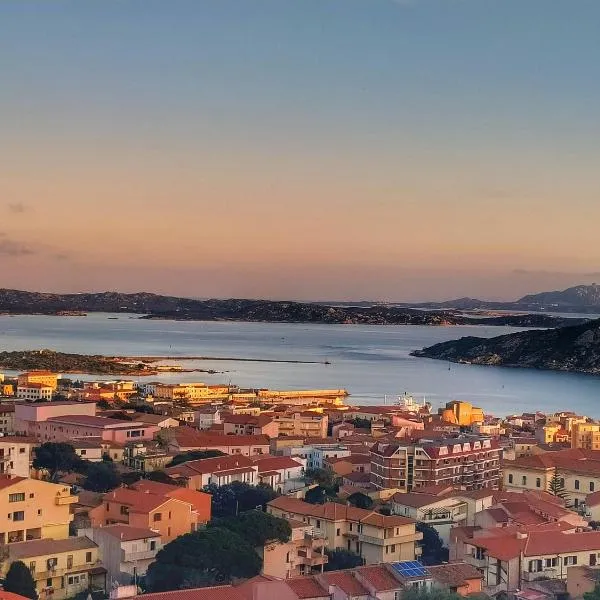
pixel 372 362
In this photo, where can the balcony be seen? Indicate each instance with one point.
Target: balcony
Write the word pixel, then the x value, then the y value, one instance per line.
pixel 134 556
pixel 549 573
pixel 65 500
pixel 401 539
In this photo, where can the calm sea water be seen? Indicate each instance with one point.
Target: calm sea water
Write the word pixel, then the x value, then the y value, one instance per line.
pixel 369 361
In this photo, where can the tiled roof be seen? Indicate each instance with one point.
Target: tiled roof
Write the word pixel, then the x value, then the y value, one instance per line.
pixel 307 587
pixel 585 462
pixel 11 596
pixel 137 501
pixel 48 546
pixel 126 533
pixel 275 463
pixel 210 465
pixel 549 542
pixel 354 459
pixel 592 499
pixel 346 581
pixel 418 500
pixel 89 421
pixel 8 481
pixel 454 574
pixel 379 578
pixel 186 436
pixel 222 592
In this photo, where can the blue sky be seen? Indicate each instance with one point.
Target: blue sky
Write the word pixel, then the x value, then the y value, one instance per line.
pixel 321 131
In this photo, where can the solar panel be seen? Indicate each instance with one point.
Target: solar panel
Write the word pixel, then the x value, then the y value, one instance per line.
pixel 410 568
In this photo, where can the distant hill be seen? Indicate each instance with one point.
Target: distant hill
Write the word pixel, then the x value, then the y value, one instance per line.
pixel 154 306
pixel 578 296
pixel 573 348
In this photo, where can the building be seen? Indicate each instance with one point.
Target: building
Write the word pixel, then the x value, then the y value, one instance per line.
pixel 461 413
pixel 169 510
pixel 282 473
pixel 29 417
pixel 471 463
pixel 578 472
pixel 7 419
pixel 305 423
pixel 250 425
pixel 46 378
pixel 204 418
pixel 316 454
pixel 375 537
pixel 585 436
pixel 16 455
pixel 221 470
pixel 460 578
pixel 34 392
pixel 60 568
pixel 355 463
pixel 183 439
pixel 146 456
pixel 126 551
pixel 33 509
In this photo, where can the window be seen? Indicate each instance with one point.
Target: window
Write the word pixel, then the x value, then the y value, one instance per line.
pixel 524 480
pixel 393 548
pixel 124 510
pixel 88 557
pixel 577 484
pixel 21 450
pixel 73 580
pixel 39 512
pixel 569 560
pixel 157 517
pixel 535 566
pixel 70 561
pixel 538 482
pixel 32 567
pixel 591 486
pixel 551 562
pixel 510 478
pixel 318 524
pixel 16 497
pixel 49 582
pixel 19 515
pixel 152 546
pixel 562 482
pixel 337 531
pixel 83 452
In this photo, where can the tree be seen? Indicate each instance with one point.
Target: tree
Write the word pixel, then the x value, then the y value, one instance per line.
pixel 207 557
pixel 434 552
pixel 593 595
pixel 556 487
pixel 194 455
pixel 360 423
pixel 360 500
pixel 19 581
pixel 257 527
pixel 236 497
pixel 434 593
pixel 102 477
pixel 323 477
pixel 57 457
pixel 316 495
pixel 342 559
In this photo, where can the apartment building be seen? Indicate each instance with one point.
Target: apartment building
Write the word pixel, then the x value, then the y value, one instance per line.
pixel 60 568
pixel 193 393
pixel 461 413
pixel 32 509
pixel 46 378
pixel 585 436
pixel 304 423
pixel 471 463
pixel 34 392
pixel 169 510
pixel 221 470
pixel 282 473
pixel 16 455
pixel 29 417
pixel 510 556
pixel 375 537
pixel 578 472
pixel 146 456
pixel 316 455
pixel 183 439
pixel 126 551
pixel 7 419
pixel 264 424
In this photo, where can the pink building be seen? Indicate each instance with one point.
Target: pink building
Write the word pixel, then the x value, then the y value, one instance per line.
pixel 29 416
pixel 81 426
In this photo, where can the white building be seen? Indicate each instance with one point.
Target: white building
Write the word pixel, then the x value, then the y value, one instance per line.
pixel 316 453
pixel 34 391
pixel 16 454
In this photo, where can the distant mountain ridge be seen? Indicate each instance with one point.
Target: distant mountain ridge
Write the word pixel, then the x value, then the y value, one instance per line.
pixel 155 306
pixel 573 348
pixel 577 296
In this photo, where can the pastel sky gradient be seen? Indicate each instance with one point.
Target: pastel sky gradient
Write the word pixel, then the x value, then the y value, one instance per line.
pixel 306 149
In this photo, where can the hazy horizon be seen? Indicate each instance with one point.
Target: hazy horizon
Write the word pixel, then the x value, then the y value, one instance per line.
pixel 393 150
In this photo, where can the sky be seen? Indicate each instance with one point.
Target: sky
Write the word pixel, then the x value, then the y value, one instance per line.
pixel 300 149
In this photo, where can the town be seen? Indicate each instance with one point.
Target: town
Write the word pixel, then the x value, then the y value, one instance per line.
pixel 122 489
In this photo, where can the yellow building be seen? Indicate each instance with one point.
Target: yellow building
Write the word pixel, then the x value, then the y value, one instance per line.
pixel 305 423
pixel 461 413
pixel 60 568
pixel 190 392
pixel 585 436
pixel 8 389
pixel 42 377
pixel 31 509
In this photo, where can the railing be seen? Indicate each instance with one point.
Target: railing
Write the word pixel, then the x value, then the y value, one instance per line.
pixel 64 500
pixel 133 556
pixel 400 539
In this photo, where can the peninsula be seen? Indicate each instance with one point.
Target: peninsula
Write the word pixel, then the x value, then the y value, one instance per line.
pixel 574 348
pixel 153 306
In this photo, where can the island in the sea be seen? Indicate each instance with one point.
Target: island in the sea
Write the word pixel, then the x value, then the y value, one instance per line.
pixel 574 348
pixel 154 306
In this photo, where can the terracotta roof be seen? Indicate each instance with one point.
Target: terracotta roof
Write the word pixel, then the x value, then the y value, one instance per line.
pixel 126 533
pixel 188 437
pixel 417 500
pixel 354 459
pixel 497 514
pixel 358 477
pixel 139 502
pixel 8 481
pixel 585 462
pixel 48 546
pixel 274 463
pixel 454 574
pixel 89 421
pixel 549 542
pixel 222 592
pixel 346 581
pixel 379 578
pixel 307 587
pixel 210 465
pixel 11 596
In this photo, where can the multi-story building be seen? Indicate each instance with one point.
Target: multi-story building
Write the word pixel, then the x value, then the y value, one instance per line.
pixel 126 551
pixel 29 417
pixel 375 537
pixel 316 454
pixel 33 392
pixel 585 436
pixel 461 413
pixel 305 423
pixel 250 425
pixel 7 418
pixel 471 463
pixel 16 455
pixel 32 509
pixel 221 470
pixel 193 393
pixel 46 378
pixel 282 473
pixel 61 568
pixel 578 473
pixel 183 439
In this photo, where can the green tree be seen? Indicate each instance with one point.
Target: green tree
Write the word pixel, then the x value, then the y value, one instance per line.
pixel 360 500
pixel 57 457
pixel 434 552
pixel 101 477
pixel 316 495
pixel 194 455
pixel 207 557
pixel 593 595
pixel 18 580
pixel 556 486
pixel 237 497
pixel 434 593
pixel 257 527
pixel 342 559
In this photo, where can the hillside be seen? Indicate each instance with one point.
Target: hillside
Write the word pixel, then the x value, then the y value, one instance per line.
pixel 578 296
pixel 154 306
pixel 574 348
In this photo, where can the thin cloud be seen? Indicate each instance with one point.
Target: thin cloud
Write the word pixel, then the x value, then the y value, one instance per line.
pixel 14 248
pixel 555 273
pixel 17 208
